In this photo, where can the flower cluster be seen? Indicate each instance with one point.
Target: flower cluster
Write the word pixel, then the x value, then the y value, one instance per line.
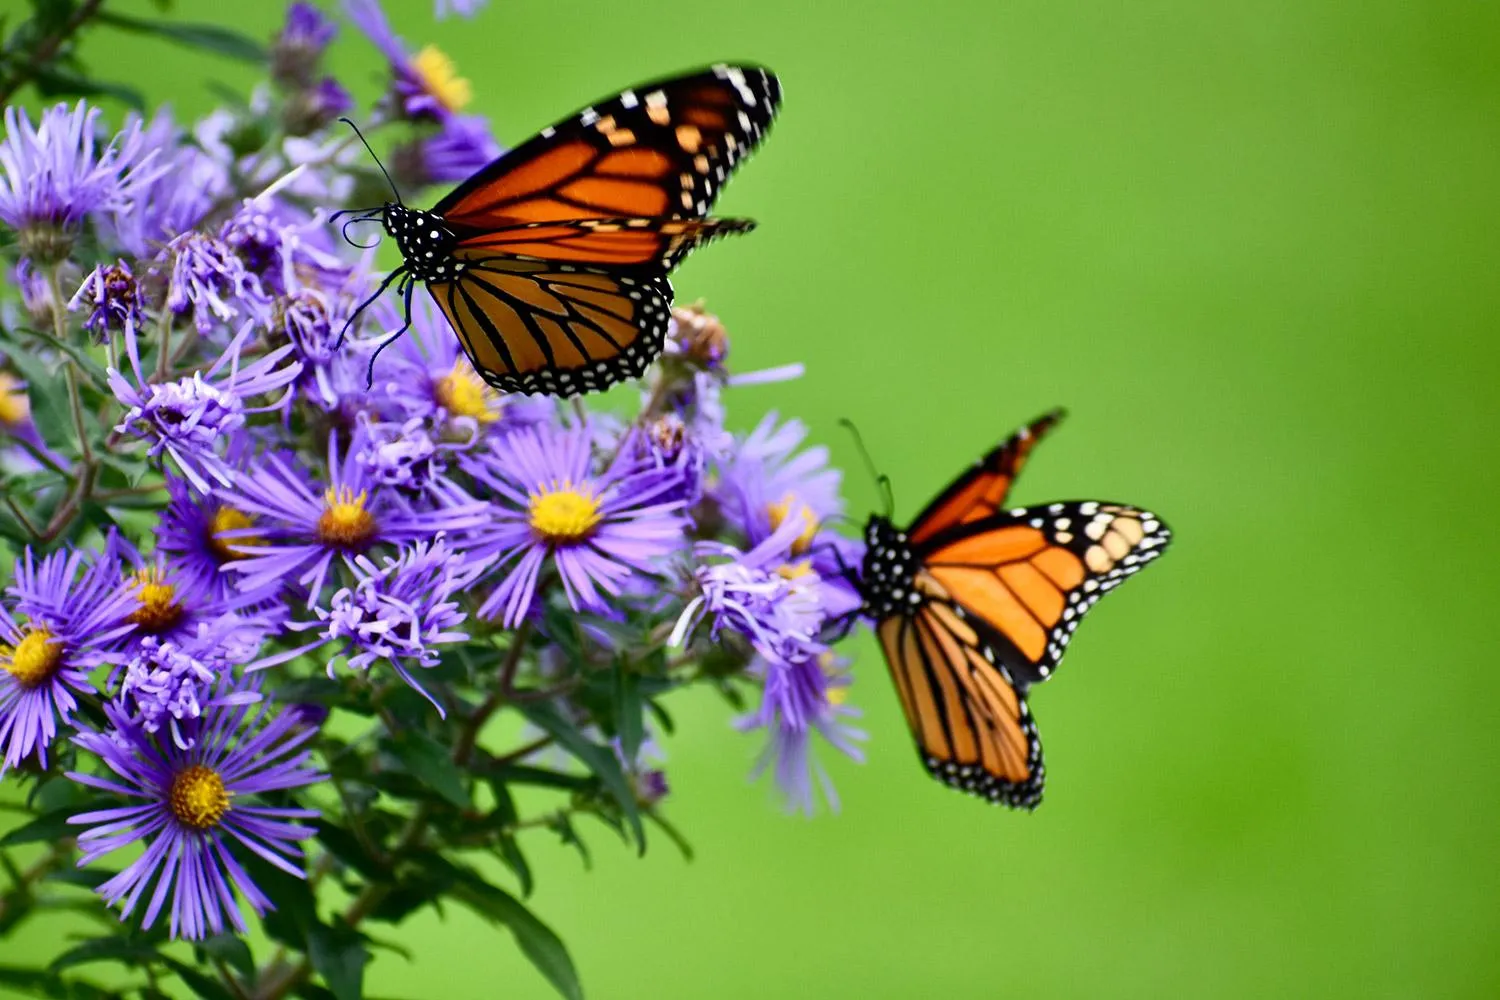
pixel 261 608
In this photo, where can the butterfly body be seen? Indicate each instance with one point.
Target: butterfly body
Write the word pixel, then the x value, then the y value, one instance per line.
pixel 973 605
pixel 551 263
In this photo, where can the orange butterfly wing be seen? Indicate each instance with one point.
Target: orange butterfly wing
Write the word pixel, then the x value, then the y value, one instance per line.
pixel 972 727
pixel 659 151
pixel 981 491
pixel 1027 577
pixel 536 326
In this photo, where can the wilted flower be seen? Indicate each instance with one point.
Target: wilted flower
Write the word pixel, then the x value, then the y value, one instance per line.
pixel 115 299
pixel 191 807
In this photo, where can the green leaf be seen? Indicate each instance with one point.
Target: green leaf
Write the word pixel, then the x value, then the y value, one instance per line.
pixel 59 81
pixel 339 955
pixel 46 984
pixel 204 987
pixel 198 36
pixel 428 760
pixel 522 774
pixel 52 826
pixel 538 941
pixel 49 401
pixel 598 759
pixel 86 878
pixel 230 949
pixel 56 793
pixel 630 725
pixel 106 949
pixel 347 848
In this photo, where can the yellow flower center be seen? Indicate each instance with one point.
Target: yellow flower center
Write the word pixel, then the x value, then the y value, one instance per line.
pixel 229 519
pixel 785 508
pixel 158 610
pixel 345 522
pixel 439 79
pixel 15 407
pixel 837 694
pixel 464 394
pixel 198 798
pixel 563 513
pixel 794 570
pixel 33 661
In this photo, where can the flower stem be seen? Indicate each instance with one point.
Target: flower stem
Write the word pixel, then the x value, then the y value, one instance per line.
pixel 47 48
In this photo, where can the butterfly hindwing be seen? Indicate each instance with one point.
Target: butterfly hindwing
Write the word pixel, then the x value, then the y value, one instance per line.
pixel 1027 576
pixel 659 150
pixel 973 729
pixel 536 326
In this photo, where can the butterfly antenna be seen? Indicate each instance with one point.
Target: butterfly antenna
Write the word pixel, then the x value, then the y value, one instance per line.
pixel 375 158
pixel 882 481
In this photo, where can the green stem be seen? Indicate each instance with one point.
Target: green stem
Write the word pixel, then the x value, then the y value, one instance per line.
pixel 48 48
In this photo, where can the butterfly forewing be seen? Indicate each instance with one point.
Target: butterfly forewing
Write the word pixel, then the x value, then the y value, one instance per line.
pixel 660 150
pixel 1029 575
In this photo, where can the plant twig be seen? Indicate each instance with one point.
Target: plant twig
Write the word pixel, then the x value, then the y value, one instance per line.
pixel 47 49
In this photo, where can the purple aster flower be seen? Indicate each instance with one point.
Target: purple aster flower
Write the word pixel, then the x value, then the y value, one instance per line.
pixel 766 595
pixel 304 528
pixel 599 529
pixel 210 280
pixel 405 456
pixel 115 299
pixel 192 809
pixel 199 533
pixel 54 175
pixel 285 254
pixel 459 149
pixel 800 698
pixel 298 47
pixel 311 319
pixel 170 683
pixel 175 200
pixel 64 621
pixel 463 8
pixel 667 442
pixel 190 418
pixel 425 86
pixel 400 612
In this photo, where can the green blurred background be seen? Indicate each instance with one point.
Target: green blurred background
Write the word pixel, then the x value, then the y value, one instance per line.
pixel 1253 247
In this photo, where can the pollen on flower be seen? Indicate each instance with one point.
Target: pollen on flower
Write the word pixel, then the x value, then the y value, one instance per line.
pixel 15 407
pixel 159 608
pixel 440 80
pixel 785 508
pixel 198 798
pixel 34 659
pixel 563 514
pixel 463 394
pixel 794 570
pixel 229 519
pixel 345 522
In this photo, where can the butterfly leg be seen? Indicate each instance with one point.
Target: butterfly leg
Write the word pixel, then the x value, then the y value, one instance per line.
pixel 404 290
pixel 399 272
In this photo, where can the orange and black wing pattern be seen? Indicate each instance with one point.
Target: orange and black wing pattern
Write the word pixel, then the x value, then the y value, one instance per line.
pixel 1028 576
pixel 661 150
pixel 982 490
pixel 969 718
pixel 973 613
pixel 536 326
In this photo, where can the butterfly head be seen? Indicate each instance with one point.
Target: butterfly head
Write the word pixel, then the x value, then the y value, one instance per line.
pixel 425 241
pixel 885 579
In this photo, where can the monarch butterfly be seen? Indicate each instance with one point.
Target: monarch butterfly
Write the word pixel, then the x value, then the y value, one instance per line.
pixel 551 262
pixel 973 604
